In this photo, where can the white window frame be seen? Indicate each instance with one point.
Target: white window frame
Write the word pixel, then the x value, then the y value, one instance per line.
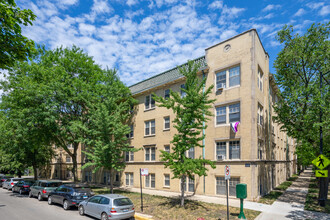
pixel 260 113
pixel 226 77
pixel 129 156
pixel 151 129
pixel 228 155
pixel 129 179
pixel 167 94
pixel 150 153
pixel 169 148
pixel 183 93
pixel 167 179
pixel 233 181
pixel 149 180
pixel 149 102
pixel 260 79
pixel 218 152
pixel 219 109
pixel 68 159
pixel 167 124
pixel 131 133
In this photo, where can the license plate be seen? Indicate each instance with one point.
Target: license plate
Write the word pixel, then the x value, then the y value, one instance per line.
pixel 125 210
pixel 85 197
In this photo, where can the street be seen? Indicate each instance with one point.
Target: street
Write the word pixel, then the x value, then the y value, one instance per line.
pixel 16 207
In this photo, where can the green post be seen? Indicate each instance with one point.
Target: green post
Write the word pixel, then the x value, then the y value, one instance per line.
pixel 241 213
pixel 241 193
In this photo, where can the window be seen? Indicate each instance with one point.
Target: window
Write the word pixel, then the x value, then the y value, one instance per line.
pixel 260 147
pixel 191 153
pixel 234 113
pixel 88 176
pixel 228 78
pixel 167 123
pixel 183 93
pixel 150 181
pixel 166 179
pixel 221 115
pixel 221 150
pixel 260 79
pixel 234 150
pixel 106 178
pixel 191 184
pixel 70 146
pixel 234 76
pixel 149 128
pixel 260 119
pixel 149 102
pixel 129 156
pixel 150 153
pixel 129 179
pixel 167 148
pixel 68 159
pixel 221 185
pixel 221 80
pixel 131 133
pixel 167 94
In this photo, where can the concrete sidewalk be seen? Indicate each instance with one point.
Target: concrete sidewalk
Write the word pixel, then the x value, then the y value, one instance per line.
pixel 290 205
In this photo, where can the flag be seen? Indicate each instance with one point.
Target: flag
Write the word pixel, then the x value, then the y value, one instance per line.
pixel 234 126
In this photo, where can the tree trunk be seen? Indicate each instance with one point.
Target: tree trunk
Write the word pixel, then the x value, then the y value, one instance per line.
pixel 74 161
pixel 183 180
pixel 35 172
pixel 111 182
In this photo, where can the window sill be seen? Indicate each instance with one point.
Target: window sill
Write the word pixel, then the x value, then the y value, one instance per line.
pixel 225 89
pixel 149 109
pixel 166 187
pixel 222 125
pixel 150 161
pixel 152 135
pixel 166 129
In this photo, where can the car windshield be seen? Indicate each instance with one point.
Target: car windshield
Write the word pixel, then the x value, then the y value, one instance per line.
pixel 82 189
pixel 53 184
pixel 16 179
pixel 122 202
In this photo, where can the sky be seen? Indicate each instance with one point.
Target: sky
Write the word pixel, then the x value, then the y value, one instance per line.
pixel 142 38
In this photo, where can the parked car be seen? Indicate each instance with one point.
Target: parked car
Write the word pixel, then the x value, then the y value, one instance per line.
pixel 42 188
pixel 3 179
pixel 9 183
pixel 108 206
pixel 70 195
pixel 23 186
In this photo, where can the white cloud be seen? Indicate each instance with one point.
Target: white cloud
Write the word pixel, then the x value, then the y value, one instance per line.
pixel 131 2
pixel 271 7
pixel 315 5
pixel 65 3
pixel 216 5
pixel 325 10
pixel 300 12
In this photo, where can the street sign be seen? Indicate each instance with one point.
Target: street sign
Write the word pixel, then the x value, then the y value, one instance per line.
pixel 321 173
pixel 321 162
pixel 144 172
pixel 227 172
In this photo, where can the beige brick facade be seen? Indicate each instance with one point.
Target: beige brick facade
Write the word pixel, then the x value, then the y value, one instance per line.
pixel 259 154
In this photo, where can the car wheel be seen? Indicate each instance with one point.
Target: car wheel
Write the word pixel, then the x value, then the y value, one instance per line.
pixel 20 192
pixel 39 197
pixel 81 210
pixel 30 194
pixel 66 205
pixel 104 216
pixel 12 190
pixel 50 202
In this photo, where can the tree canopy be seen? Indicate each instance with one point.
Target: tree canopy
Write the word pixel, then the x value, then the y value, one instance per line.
pixel 191 110
pixel 14 46
pixel 300 65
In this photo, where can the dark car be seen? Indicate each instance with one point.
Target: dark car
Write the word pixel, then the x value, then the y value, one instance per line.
pixel 69 195
pixel 23 186
pixel 42 188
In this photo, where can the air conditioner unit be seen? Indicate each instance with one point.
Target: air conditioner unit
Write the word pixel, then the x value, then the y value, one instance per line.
pixel 221 157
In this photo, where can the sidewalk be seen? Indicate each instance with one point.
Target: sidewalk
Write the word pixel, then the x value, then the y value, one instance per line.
pixel 290 205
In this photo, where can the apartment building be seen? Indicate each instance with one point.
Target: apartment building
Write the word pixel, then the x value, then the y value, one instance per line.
pixel 259 153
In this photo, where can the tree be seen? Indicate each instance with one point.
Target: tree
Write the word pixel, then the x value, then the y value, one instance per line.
pixel 108 128
pixel 14 46
pixel 191 111
pixel 304 105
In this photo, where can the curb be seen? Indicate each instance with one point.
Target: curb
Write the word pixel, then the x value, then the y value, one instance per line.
pixel 140 216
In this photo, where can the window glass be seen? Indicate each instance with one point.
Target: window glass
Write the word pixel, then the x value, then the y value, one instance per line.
pixel 221 79
pixel 221 149
pixel 221 185
pixel 234 113
pixel 191 153
pixel 234 150
pixel 183 93
pixel 166 122
pixel 167 179
pixel 147 102
pixel 191 185
pixel 95 199
pixel 167 148
pixel 167 94
pixel 122 202
pixel 104 201
pixel 153 180
pixel 221 115
pixel 234 76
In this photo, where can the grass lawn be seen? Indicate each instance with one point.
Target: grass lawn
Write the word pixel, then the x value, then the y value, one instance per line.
pixel 312 198
pixel 271 197
pixel 169 208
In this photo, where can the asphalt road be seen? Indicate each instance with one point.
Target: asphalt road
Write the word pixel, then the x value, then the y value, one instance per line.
pixel 16 207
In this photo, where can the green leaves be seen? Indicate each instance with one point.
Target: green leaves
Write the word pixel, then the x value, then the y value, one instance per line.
pixel 14 46
pixel 299 67
pixel 191 112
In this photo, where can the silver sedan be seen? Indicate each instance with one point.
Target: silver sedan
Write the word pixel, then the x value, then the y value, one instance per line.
pixel 107 206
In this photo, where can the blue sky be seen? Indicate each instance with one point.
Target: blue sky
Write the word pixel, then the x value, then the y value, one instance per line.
pixel 141 38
